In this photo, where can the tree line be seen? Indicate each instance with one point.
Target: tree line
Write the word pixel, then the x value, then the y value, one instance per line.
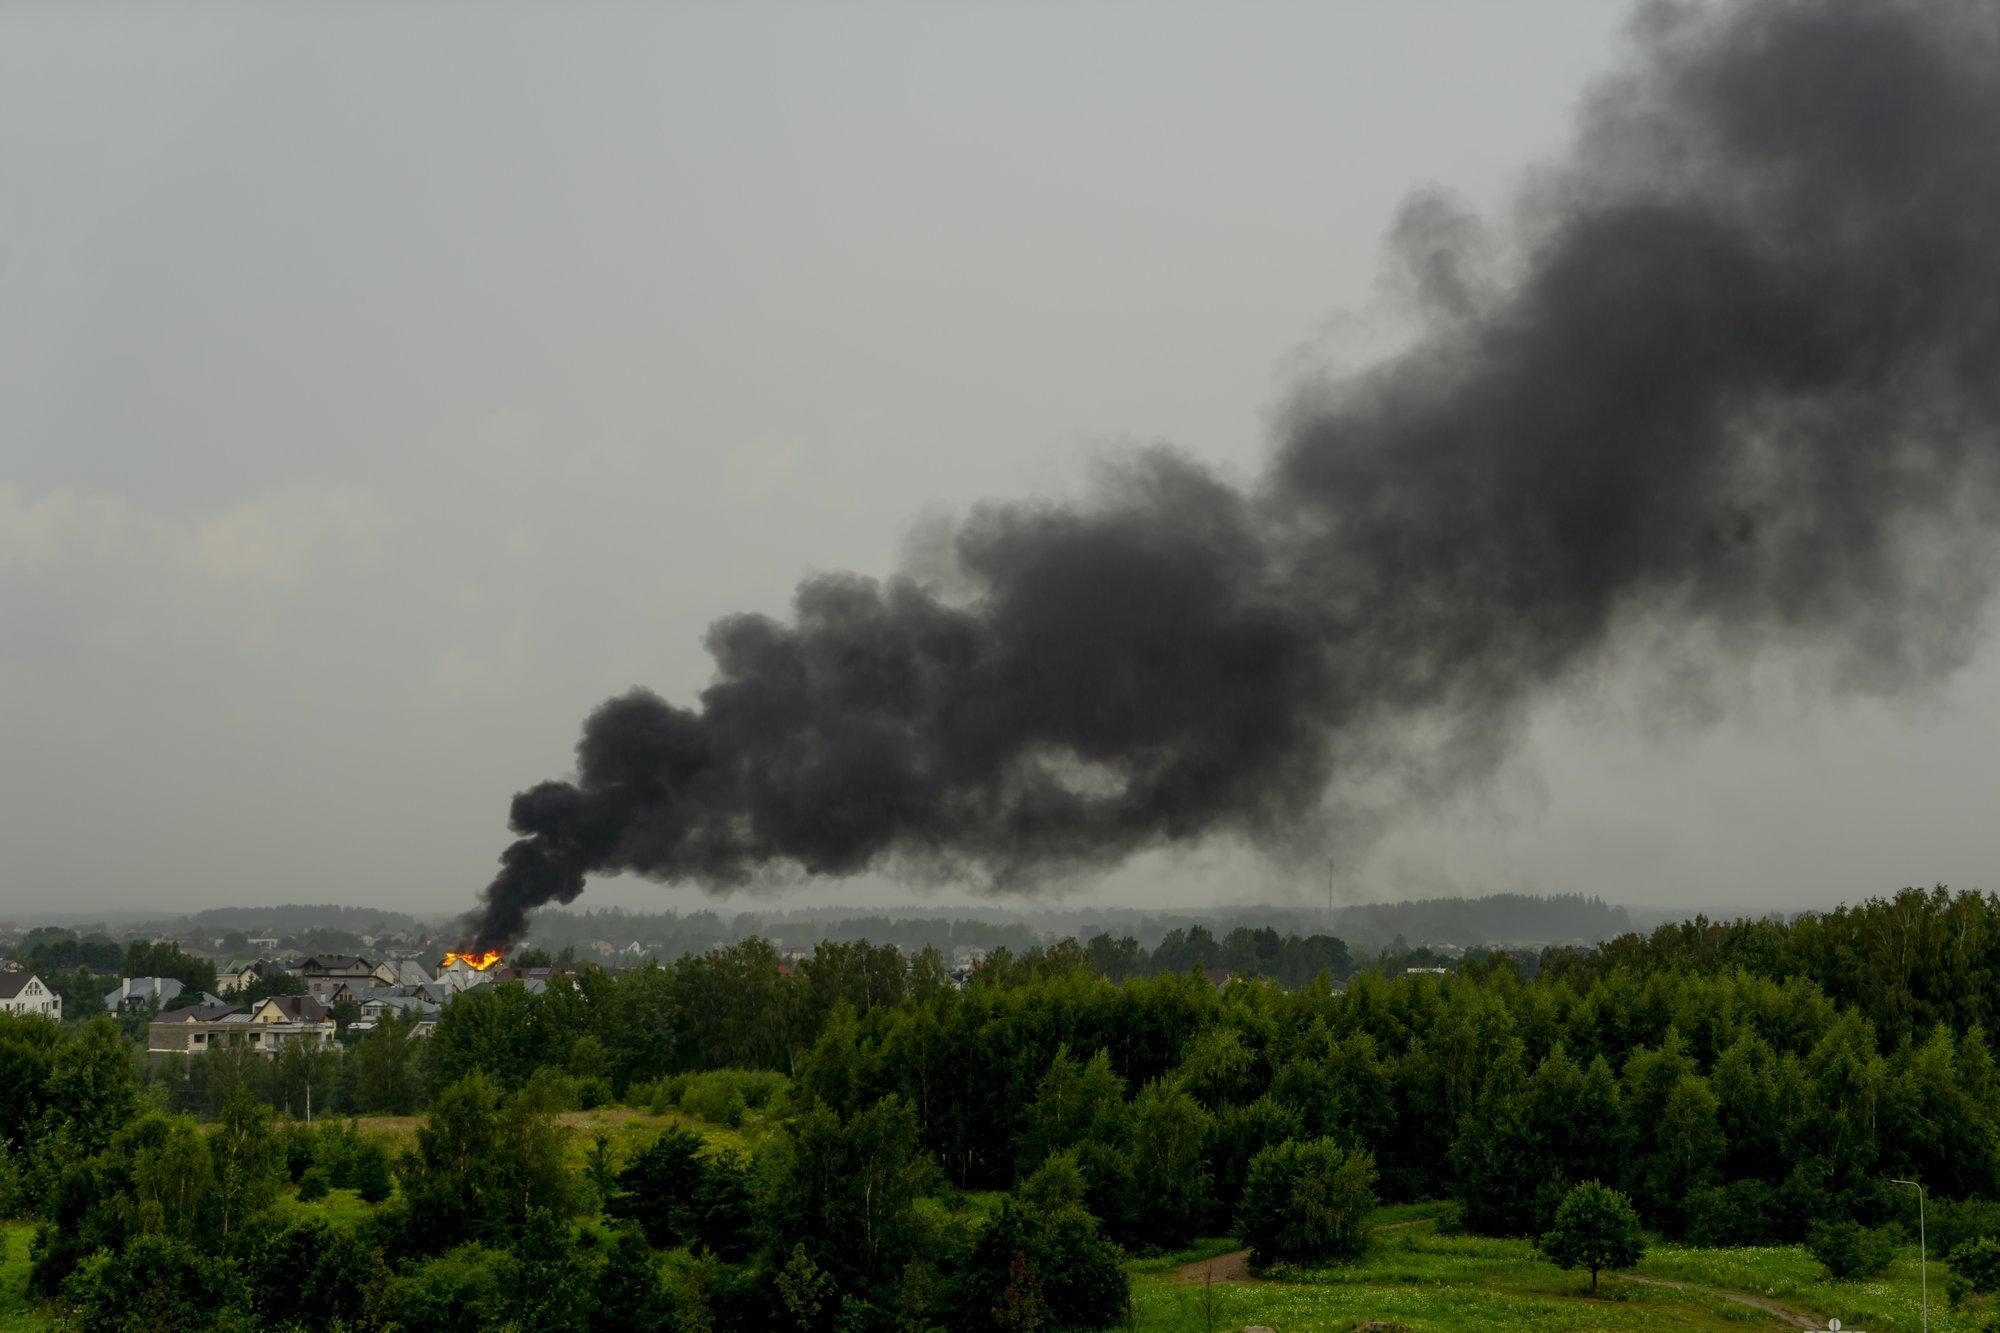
pixel 926 1156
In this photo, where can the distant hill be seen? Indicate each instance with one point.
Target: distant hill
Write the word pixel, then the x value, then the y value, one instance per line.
pixel 1502 919
pixel 1498 919
pixel 299 918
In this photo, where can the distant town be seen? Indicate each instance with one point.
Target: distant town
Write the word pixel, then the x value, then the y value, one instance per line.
pixel 259 980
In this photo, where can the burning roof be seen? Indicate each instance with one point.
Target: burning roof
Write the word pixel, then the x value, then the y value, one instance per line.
pixel 478 962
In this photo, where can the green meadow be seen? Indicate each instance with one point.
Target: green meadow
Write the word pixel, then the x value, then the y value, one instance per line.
pixel 1417 1276
pixel 16 1315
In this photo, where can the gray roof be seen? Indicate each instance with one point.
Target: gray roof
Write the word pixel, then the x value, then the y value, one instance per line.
pixel 154 990
pixel 208 1011
pixel 408 972
pixel 405 1004
pixel 335 962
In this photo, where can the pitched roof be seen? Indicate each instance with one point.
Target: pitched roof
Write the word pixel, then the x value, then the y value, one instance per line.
pixel 13 983
pixel 406 1004
pixel 407 972
pixel 298 1008
pixel 161 989
pixel 332 962
pixel 200 1013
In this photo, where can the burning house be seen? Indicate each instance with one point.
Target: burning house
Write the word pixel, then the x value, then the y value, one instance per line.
pixel 461 971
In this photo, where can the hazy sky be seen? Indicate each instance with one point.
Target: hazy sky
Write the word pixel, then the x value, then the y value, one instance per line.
pixel 381 387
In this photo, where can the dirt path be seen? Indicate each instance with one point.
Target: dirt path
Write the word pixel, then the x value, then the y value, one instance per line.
pixel 1771 1307
pixel 1225 1270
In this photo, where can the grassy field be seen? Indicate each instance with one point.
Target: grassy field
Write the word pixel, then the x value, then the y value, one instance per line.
pixel 16 1316
pixel 1417 1277
pixel 627 1127
pixel 1788 1275
pixel 340 1207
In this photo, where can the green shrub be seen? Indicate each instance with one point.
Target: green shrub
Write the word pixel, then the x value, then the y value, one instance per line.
pixel 154 1283
pixel 369 1174
pixel 309 1273
pixel 1850 1250
pixel 549 1091
pixel 658 1095
pixel 1743 1212
pixel 1953 1222
pixel 660 1187
pixel 313 1185
pixel 13 1188
pixel 1977 1263
pixel 461 1290
pixel 761 1088
pixel 725 1096
pixel 717 1102
pixel 301 1150
pixel 338 1145
pixel 1305 1202
pixel 1076 1275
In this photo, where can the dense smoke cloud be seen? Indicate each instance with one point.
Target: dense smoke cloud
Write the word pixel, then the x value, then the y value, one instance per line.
pixel 1740 378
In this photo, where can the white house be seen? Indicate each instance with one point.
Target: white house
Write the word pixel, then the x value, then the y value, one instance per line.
pixel 460 975
pixel 26 993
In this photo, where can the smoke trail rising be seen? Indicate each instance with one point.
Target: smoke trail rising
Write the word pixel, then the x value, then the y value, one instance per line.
pixel 1741 379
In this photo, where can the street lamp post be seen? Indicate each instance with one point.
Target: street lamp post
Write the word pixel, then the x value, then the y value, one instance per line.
pixel 1923 1253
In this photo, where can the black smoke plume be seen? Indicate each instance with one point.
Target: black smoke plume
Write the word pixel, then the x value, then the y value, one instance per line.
pixel 1741 378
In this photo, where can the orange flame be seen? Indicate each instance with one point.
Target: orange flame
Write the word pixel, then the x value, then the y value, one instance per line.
pixel 478 962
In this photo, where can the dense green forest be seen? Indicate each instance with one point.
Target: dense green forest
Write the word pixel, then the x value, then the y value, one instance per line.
pixel 913 1155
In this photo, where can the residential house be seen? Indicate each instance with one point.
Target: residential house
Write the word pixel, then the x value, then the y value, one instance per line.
pixel 201 1013
pixel 325 973
pixel 384 1003
pixel 26 993
pixel 402 972
pixel 391 1000
pixel 264 1029
pixel 140 992
pixel 238 975
pixel 460 975
pixel 292 1009
pixel 190 1029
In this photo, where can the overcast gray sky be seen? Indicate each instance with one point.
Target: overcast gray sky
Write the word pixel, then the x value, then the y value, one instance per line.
pixel 381 387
